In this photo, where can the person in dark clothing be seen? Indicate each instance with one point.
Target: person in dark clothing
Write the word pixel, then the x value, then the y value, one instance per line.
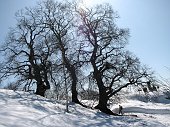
pixel 120 110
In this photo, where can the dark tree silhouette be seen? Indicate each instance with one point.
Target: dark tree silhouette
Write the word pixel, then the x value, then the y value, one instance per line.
pixel 27 53
pixel 113 67
pixel 85 43
pixel 59 20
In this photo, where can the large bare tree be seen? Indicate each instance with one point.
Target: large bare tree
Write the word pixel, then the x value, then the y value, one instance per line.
pixel 59 39
pixel 112 67
pixel 58 18
pixel 27 51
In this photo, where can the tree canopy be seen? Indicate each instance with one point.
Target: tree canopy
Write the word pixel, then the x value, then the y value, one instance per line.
pixel 55 43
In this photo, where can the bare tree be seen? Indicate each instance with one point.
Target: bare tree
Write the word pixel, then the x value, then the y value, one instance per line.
pixel 27 51
pixel 85 43
pixel 59 20
pixel 112 67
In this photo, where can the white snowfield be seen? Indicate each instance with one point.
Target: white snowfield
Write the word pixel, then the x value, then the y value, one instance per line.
pixel 21 109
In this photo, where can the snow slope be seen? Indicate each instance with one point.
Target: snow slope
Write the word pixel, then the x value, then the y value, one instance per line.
pixel 147 111
pixel 20 109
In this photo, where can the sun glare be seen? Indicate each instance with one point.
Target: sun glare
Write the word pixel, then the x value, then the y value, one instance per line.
pixel 83 4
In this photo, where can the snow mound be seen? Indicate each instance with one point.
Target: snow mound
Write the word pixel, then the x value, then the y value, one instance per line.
pixel 21 109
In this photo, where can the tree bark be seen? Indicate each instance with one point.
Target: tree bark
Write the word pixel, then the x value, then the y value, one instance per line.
pixel 72 71
pixel 74 86
pixel 41 87
pixel 73 76
pixel 103 97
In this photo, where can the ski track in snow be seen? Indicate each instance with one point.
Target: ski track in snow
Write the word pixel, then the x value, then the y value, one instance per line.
pixel 21 109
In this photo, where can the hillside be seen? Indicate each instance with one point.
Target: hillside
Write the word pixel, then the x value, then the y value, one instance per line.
pixel 21 109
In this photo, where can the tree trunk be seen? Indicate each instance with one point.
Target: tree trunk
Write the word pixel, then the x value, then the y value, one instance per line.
pixel 102 105
pixel 73 76
pixel 103 98
pixel 40 89
pixel 72 71
pixel 73 89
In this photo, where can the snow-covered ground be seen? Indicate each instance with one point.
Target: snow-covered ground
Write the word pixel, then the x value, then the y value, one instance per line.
pixel 20 109
pixel 159 112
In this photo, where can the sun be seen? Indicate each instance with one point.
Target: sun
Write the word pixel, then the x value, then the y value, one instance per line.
pixel 87 2
pixel 83 4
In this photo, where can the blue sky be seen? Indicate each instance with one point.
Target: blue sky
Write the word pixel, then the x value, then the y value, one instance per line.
pixel 149 24
pixel 148 21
